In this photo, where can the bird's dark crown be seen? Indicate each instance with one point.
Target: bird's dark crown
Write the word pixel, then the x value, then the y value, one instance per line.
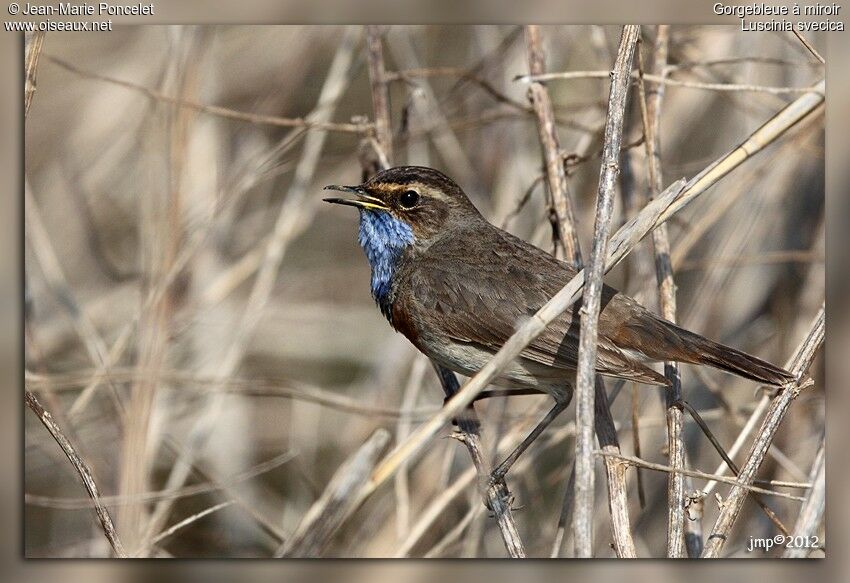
pixel 425 199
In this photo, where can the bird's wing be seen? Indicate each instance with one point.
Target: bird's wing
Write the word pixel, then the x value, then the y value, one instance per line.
pixel 481 296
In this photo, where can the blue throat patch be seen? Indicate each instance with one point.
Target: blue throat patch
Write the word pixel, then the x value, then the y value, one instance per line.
pixel 383 239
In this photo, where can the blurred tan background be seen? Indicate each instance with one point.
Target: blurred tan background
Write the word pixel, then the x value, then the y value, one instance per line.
pixel 249 381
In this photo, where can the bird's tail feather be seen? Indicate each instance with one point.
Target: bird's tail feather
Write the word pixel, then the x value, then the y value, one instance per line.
pixel 684 346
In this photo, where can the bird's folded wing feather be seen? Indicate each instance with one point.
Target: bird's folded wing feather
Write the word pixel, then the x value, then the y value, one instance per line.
pixel 483 302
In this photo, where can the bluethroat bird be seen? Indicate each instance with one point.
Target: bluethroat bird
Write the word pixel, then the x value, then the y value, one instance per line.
pixel 457 286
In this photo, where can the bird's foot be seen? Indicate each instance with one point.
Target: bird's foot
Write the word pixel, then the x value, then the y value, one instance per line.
pixel 499 499
pixel 497 476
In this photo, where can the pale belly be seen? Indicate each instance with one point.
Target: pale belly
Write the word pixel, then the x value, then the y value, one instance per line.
pixel 467 360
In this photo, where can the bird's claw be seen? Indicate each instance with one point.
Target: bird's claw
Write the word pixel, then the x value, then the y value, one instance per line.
pixel 506 500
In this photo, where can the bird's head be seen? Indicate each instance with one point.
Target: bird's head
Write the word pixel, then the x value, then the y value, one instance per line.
pixel 424 201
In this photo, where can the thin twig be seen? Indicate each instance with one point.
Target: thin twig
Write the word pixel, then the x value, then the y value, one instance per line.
pixel 282 389
pixel 153 496
pixel 189 520
pixel 809 46
pixel 591 300
pixel 82 470
pixel 779 406
pixel 630 460
pixel 662 80
pixel 255 118
pixel 340 499
pixel 636 443
pixel 563 217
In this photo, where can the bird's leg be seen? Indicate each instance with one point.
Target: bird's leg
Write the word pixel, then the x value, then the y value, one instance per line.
pixel 489 394
pixel 499 473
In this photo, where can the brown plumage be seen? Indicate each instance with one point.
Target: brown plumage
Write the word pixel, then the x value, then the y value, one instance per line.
pixel 461 286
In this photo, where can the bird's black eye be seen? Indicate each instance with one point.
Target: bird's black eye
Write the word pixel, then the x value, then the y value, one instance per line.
pixel 408 199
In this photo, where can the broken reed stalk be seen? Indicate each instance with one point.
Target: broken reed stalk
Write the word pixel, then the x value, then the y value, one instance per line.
pixel 339 500
pixel 562 216
pixel 779 406
pixel 650 108
pixel 82 469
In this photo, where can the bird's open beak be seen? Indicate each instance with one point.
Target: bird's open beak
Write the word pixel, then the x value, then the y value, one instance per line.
pixel 363 200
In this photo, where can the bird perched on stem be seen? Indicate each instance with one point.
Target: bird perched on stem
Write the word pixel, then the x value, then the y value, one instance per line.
pixel 457 287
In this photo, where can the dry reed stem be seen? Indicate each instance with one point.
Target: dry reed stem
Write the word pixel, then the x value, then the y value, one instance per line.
pixel 562 216
pixel 811 513
pixel 618 500
pixel 567 247
pixel 380 90
pixel 403 427
pixel 342 496
pixel 779 406
pixel 495 494
pixel 82 470
pixel 591 300
pixel 57 282
pixel 650 107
